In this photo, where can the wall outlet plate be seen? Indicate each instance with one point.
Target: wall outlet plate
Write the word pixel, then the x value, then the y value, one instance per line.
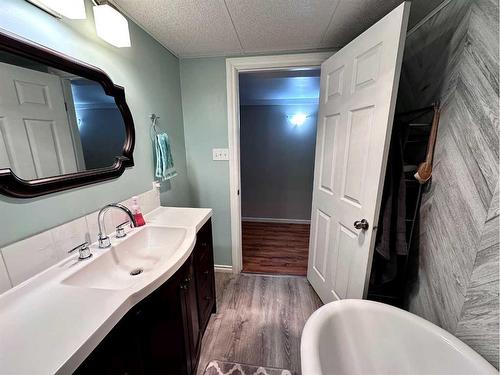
pixel 220 154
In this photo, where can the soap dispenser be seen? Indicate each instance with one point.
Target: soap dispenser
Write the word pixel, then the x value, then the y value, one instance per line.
pixel 136 211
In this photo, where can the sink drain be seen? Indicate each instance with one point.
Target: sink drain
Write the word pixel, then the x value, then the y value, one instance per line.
pixel 136 271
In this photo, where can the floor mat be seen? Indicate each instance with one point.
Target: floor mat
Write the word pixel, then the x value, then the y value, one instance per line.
pixel 231 368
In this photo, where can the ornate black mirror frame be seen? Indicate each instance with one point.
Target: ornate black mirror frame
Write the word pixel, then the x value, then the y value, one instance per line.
pixel 14 186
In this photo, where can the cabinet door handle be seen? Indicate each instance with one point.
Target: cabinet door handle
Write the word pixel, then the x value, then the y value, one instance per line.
pixel 185 283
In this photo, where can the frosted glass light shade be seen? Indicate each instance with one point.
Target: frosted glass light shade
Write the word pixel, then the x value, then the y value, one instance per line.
pixel 111 26
pixel 298 119
pixel 73 9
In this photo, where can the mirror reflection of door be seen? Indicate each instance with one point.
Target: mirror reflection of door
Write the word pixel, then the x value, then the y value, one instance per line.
pixel 53 122
pixel 35 127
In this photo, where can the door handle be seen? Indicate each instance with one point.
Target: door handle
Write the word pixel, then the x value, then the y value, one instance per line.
pixel 361 224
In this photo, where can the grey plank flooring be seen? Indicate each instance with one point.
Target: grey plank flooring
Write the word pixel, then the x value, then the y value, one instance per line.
pixel 259 320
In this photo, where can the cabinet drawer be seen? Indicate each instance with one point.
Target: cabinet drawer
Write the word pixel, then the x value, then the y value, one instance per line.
pixel 206 297
pixel 205 276
pixel 205 280
pixel 203 248
pixel 202 254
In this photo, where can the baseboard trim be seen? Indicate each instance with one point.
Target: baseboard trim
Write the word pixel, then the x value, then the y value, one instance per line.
pixel 275 220
pixel 223 268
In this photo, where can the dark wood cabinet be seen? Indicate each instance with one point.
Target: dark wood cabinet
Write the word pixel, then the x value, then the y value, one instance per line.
pixel 192 333
pixel 162 334
pixel 163 339
pixel 204 274
pixel 120 351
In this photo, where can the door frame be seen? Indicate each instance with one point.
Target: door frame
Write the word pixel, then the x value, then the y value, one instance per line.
pixel 234 66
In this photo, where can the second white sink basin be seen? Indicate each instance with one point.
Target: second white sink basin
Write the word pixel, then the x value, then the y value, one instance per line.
pixel 127 262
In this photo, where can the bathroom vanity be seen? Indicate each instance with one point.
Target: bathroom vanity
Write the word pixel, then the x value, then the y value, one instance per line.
pixel 162 333
pixel 104 318
pixel 134 303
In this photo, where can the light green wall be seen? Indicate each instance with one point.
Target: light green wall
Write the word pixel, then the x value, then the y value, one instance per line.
pixel 203 87
pixel 204 107
pixel 150 75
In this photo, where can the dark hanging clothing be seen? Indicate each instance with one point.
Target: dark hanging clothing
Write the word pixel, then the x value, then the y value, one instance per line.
pixel 391 233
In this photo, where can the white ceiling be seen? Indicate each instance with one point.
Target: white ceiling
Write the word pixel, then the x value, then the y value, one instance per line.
pixel 196 28
pixel 280 87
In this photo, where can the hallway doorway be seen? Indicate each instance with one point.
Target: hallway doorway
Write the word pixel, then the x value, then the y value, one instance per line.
pixel 278 114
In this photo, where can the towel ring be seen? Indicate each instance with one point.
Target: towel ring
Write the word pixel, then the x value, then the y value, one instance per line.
pixel 153 130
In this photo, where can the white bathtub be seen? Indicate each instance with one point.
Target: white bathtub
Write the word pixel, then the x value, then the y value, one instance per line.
pixel 359 337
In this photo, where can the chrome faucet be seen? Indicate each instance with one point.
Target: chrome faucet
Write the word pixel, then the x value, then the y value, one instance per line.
pixel 103 238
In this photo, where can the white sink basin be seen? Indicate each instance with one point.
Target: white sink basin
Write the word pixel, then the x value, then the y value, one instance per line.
pixel 125 263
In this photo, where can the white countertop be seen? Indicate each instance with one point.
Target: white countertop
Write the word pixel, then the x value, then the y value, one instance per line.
pixel 47 327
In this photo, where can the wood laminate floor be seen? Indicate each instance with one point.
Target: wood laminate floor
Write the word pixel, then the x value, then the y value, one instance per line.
pixel 259 320
pixel 275 248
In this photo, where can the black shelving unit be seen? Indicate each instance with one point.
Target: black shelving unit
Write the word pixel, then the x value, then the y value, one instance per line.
pixel 413 132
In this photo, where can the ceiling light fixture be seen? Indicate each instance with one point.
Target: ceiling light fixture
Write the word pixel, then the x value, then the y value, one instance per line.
pixel 298 119
pixel 111 25
pixel 72 9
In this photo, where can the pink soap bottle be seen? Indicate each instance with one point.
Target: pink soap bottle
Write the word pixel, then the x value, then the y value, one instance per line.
pixel 136 211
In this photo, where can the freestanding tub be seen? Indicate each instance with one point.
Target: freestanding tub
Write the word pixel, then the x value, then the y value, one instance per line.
pixel 359 337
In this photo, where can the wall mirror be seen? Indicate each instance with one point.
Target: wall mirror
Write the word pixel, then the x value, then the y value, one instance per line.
pixel 63 123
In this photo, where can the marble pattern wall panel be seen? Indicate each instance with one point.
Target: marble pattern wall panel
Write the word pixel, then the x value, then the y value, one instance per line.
pixel 478 322
pixel 432 54
pixel 453 58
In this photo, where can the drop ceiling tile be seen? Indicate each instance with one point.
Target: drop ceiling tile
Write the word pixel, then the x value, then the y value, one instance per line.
pixel 353 17
pixel 197 28
pixel 186 27
pixel 279 25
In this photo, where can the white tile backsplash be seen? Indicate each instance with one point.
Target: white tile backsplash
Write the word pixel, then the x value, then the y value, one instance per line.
pixel 5 283
pixel 24 259
pixel 149 201
pixel 118 217
pixel 93 228
pixel 69 235
pixel 28 257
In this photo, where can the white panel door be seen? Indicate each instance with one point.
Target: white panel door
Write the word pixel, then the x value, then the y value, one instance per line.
pixel 357 99
pixel 35 138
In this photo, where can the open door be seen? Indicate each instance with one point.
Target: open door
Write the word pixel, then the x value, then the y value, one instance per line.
pixel 358 92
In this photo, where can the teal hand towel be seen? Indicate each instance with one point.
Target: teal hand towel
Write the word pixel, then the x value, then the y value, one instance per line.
pixel 164 162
